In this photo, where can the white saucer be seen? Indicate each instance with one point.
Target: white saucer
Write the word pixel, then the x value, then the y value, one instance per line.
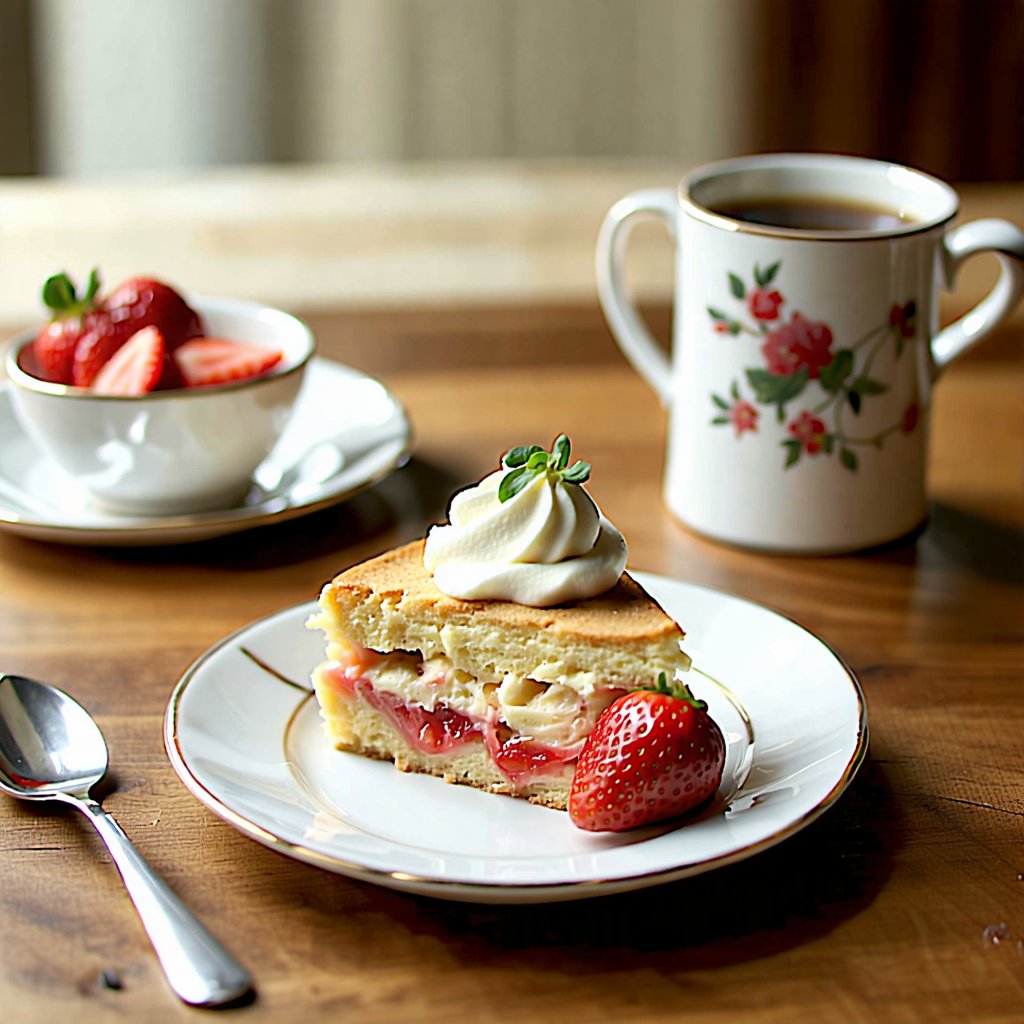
pixel 348 431
pixel 244 735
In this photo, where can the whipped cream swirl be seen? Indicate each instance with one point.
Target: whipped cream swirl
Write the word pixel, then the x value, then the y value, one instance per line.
pixel 546 545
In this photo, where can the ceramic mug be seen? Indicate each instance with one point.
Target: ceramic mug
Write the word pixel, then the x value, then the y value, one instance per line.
pixel 803 358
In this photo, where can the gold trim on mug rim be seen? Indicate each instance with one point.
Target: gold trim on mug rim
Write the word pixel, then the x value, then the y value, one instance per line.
pixel 831 161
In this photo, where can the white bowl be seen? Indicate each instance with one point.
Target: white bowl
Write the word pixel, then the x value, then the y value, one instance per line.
pixel 175 451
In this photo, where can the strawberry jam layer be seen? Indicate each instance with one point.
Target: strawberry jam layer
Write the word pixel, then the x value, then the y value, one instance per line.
pixel 431 732
pixel 520 758
pixel 444 729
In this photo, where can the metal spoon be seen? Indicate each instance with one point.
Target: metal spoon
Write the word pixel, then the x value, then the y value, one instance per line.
pixel 51 749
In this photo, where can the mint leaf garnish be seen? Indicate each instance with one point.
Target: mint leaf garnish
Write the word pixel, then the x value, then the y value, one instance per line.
pixel 527 462
pixel 521 455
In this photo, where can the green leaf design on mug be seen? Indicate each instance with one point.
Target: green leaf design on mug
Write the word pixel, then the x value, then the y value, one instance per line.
pixel 776 389
pixel 766 276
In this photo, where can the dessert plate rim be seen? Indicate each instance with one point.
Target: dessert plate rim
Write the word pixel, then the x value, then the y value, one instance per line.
pixel 28 506
pixel 801 764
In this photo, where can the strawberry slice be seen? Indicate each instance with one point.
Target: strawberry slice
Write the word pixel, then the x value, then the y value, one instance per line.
pixel 93 351
pixel 135 368
pixel 206 361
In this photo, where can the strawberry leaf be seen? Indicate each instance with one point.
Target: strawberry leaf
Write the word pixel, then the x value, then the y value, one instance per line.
pixel 678 689
pixel 59 294
pixel 92 286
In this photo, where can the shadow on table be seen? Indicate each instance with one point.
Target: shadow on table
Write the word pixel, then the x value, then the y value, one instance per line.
pixel 959 538
pixel 388 513
pixel 786 896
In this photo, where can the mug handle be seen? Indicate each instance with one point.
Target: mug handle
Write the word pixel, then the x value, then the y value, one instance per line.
pixel 1007 242
pixel 627 327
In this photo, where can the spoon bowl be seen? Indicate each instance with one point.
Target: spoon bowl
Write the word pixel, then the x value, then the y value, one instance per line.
pixel 52 749
pixel 49 743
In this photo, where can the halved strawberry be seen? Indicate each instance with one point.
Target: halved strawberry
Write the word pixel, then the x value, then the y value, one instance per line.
pixel 94 349
pixel 205 361
pixel 135 367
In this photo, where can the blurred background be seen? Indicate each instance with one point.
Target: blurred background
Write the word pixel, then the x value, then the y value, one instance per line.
pixel 117 86
pixel 322 153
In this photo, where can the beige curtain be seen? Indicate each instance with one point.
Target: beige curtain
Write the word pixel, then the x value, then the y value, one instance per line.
pixel 93 88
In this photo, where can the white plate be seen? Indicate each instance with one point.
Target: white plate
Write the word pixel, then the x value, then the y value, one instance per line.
pixel 244 735
pixel 347 432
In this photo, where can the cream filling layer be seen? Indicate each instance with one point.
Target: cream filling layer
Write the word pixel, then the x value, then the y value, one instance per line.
pixel 550 713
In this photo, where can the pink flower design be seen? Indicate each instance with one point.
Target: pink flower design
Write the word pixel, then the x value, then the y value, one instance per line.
pixel 764 305
pixel 800 344
pixel 743 417
pixel 798 360
pixel 901 317
pixel 809 431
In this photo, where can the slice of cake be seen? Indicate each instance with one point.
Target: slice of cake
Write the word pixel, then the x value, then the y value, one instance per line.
pixel 490 692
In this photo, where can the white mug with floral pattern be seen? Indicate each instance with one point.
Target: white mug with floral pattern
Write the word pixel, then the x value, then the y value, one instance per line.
pixel 803 359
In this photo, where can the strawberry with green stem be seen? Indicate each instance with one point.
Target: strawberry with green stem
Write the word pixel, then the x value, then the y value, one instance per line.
pixel 654 754
pixel 71 316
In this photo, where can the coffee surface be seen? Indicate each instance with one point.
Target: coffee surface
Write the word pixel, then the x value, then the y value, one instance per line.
pixel 814 214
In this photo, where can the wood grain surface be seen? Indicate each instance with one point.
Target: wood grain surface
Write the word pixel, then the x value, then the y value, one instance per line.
pixel 877 912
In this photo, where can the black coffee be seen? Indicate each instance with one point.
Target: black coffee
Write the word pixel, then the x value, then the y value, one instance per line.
pixel 814 214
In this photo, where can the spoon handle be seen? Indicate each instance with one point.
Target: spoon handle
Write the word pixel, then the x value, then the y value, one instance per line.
pixel 199 969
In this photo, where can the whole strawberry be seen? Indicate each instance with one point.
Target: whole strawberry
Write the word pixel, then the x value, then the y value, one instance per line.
pixel 653 754
pixel 71 317
pixel 136 303
pixel 144 302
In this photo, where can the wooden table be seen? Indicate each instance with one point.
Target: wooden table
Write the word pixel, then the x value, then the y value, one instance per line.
pixel 877 912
